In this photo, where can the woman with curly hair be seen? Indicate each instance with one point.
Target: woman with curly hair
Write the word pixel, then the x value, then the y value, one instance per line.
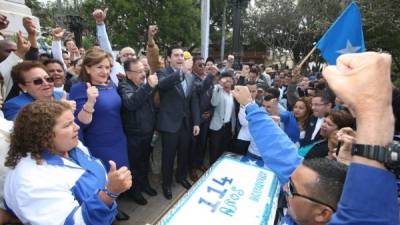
pixel 52 180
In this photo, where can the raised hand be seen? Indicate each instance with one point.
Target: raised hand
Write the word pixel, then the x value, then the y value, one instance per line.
pixel 361 80
pixel 118 180
pixel 152 80
pixel 3 22
pixel 29 26
pixel 100 15
pixel 153 30
pixel 92 94
pixel 22 45
pixel 347 137
pixel 213 70
pixel 242 95
pixel 58 33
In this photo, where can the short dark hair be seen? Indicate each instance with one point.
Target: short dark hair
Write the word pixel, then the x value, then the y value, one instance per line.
pixel 197 58
pixel 171 48
pixel 325 96
pixel 51 61
pixel 17 72
pixel 66 41
pixel 129 62
pixel 342 119
pixel 210 59
pixel 274 92
pixel 331 178
pixel 45 55
pixel 254 70
pixel 227 73
pixel 268 97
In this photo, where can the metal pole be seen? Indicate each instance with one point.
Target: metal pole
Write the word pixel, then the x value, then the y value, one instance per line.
pixel 205 27
pixel 236 34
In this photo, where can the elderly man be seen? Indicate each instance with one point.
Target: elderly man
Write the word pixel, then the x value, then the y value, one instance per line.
pixel 138 118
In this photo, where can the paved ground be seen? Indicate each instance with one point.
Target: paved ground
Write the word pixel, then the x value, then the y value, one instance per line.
pixel 141 215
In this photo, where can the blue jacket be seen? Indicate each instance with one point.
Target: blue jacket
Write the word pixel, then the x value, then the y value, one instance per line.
pixel 369 195
pixel 12 106
pixel 59 191
pixel 290 126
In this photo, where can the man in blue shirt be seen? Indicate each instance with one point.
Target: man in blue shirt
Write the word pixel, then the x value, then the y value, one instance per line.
pixel 369 195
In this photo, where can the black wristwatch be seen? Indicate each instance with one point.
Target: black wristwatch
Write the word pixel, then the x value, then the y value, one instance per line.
pixel 388 155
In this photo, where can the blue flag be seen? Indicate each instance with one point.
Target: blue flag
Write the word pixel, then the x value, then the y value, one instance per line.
pixel 344 36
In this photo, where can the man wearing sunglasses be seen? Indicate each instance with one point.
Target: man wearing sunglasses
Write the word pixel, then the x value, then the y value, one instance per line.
pixel 33 80
pixel 369 195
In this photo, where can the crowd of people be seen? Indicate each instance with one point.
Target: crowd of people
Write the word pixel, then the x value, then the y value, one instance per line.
pixel 79 125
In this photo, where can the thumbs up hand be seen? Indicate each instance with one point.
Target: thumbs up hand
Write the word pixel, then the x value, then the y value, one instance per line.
pixel 92 94
pixel 119 180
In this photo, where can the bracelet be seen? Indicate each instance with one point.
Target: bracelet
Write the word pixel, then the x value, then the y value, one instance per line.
pixel 88 111
pixel 109 193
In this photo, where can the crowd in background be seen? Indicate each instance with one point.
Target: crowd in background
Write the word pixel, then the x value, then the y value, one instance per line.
pixel 95 117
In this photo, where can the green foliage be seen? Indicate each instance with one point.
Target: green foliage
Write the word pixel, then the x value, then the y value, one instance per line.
pixel 128 21
pixel 296 25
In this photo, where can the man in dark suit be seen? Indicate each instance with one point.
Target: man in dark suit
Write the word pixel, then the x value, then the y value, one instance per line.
pixel 204 87
pixel 321 106
pixel 179 116
pixel 138 118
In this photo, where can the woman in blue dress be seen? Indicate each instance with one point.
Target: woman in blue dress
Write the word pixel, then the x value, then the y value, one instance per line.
pixel 98 110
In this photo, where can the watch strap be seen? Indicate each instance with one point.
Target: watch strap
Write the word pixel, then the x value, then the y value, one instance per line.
pixel 374 152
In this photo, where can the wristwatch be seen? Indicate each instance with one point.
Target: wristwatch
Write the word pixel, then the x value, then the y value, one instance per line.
pixel 109 193
pixel 388 155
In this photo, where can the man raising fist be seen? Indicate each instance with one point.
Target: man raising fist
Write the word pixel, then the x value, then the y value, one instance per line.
pixel 139 120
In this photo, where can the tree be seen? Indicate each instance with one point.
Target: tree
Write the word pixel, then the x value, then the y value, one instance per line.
pixel 128 20
pixel 275 25
pixel 381 23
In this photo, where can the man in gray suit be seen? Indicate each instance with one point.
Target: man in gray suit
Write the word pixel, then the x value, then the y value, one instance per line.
pixel 179 116
pixel 224 118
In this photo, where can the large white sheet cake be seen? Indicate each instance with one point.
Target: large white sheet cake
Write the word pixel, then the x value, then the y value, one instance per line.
pixel 230 193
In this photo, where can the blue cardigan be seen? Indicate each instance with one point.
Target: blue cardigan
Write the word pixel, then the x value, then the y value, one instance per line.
pixel 369 195
pixel 12 106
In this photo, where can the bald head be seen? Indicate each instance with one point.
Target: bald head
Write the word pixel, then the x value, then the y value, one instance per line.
pixel 127 53
pixel 6 47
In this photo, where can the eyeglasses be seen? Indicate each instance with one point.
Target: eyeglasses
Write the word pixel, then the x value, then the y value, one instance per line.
pixel 293 192
pixel 40 81
pixel 201 65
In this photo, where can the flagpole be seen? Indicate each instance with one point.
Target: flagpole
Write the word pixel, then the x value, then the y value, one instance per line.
pixel 307 57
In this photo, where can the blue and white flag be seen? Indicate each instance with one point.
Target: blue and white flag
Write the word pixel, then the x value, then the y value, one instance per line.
pixel 344 36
